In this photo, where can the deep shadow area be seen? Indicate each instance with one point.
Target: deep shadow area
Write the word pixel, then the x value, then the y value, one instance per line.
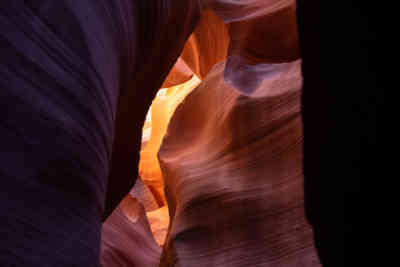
pixel 341 98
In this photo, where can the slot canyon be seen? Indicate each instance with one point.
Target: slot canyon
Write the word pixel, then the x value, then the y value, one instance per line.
pixel 178 133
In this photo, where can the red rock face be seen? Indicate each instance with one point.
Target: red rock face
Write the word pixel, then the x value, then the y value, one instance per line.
pixel 77 80
pixel 231 158
pixel 207 45
pixel 271 38
pixel 160 31
pixel 232 166
pixel 127 239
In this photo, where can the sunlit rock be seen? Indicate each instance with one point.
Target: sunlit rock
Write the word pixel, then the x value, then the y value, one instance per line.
pixel 159 222
pixel 162 108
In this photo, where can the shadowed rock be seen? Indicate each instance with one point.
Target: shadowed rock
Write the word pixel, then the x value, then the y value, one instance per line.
pixel 143 194
pixel 127 239
pixel 77 78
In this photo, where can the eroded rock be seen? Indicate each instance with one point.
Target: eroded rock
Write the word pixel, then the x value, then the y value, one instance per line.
pixel 127 239
pixel 232 166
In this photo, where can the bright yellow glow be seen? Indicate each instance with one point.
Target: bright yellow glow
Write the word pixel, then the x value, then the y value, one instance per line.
pixel 155 127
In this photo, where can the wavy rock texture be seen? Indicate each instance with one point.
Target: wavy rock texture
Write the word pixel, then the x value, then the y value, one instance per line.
pixel 143 217
pixel 157 34
pixel 127 239
pixel 79 76
pixel 162 108
pixel 232 165
pixel 152 187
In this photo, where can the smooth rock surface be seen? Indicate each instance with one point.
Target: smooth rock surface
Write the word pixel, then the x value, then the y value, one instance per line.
pixel 162 108
pixel 127 239
pixel 232 165
pixel 142 193
pixel 77 78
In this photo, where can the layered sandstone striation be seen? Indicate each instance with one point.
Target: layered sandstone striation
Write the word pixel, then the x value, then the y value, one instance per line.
pixel 227 186
pixel 232 167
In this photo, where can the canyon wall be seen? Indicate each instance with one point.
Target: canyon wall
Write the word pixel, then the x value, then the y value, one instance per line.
pixel 232 167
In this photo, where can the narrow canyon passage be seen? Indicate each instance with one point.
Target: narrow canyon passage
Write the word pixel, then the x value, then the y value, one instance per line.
pixel 220 171
pixel 186 133
pixel 150 175
pixel 143 216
